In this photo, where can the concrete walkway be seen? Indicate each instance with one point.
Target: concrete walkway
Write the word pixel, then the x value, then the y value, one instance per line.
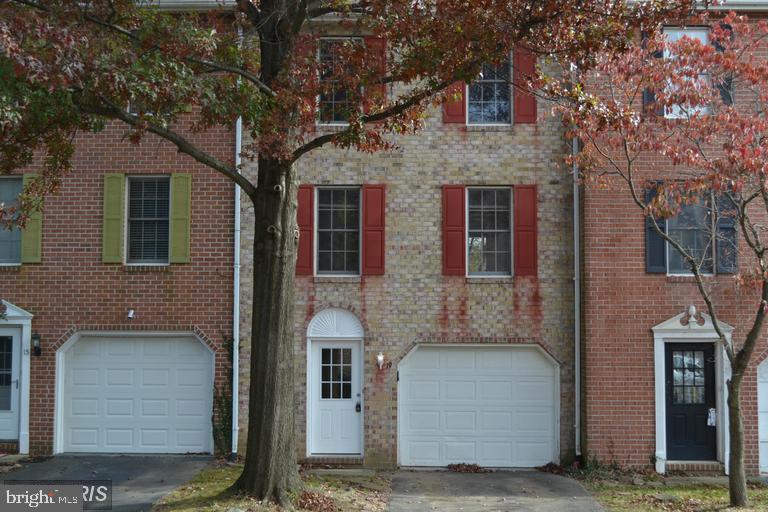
pixel 416 491
pixel 138 481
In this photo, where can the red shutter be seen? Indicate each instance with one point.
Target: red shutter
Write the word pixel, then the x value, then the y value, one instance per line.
pixel 524 63
pixel 454 242
pixel 304 219
pixel 526 254
pixel 374 202
pixel 455 111
pixel 377 47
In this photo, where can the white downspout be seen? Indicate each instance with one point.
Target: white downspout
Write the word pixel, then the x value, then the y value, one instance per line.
pixel 576 300
pixel 236 298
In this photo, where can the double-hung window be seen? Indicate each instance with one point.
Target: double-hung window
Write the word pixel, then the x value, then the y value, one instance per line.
pixel 489 231
pixel 338 230
pixel 148 220
pixel 10 236
pixel 672 35
pixel 705 229
pixel 336 104
pixel 489 98
pixel 692 229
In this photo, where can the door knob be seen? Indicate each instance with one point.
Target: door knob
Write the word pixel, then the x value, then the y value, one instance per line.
pixel 357 407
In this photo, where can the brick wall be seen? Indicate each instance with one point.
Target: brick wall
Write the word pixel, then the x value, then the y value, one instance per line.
pixel 413 302
pixel 72 290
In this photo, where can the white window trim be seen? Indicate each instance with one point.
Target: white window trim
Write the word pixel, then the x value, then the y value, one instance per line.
pixel 14 177
pixel 678 113
pixel 316 240
pixel 126 197
pixel 318 122
pixel 511 103
pixel 511 232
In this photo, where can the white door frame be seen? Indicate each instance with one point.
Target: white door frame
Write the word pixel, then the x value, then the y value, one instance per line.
pixel 58 416
pixel 547 355
pixel 18 318
pixel 762 462
pixel 334 324
pixel 675 331
pixel 312 388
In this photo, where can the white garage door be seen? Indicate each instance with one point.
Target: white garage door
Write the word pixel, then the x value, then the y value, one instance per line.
pixel 762 411
pixel 491 406
pixel 137 395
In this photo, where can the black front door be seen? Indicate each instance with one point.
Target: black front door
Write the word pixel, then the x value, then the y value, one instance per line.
pixel 690 395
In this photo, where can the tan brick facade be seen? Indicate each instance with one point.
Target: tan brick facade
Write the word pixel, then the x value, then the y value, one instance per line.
pixel 413 302
pixel 73 291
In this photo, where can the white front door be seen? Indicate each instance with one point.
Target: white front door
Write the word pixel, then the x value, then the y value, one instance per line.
pixel 10 362
pixel 335 398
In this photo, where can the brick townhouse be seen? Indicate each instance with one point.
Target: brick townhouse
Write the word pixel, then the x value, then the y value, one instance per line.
pixel 652 375
pixel 119 300
pixel 434 298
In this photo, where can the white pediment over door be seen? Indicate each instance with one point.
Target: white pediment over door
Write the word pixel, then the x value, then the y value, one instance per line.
pixel 680 324
pixel 13 312
pixel 335 323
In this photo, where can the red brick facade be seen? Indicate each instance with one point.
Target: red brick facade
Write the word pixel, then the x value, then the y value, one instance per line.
pixel 72 290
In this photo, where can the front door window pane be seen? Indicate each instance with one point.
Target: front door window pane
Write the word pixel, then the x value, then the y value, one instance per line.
pixel 688 385
pixel 489 242
pixel 6 369
pixel 336 373
pixel 338 231
pixel 10 236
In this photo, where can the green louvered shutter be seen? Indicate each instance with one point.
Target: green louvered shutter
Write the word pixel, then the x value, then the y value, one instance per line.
pixel 181 212
pixel 114 218
pixel 32 235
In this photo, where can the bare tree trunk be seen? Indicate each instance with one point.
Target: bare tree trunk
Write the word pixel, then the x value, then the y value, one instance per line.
pixel 270 470
pixel 737 477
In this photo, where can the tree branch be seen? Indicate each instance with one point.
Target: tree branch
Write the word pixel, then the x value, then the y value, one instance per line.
pixel 181 143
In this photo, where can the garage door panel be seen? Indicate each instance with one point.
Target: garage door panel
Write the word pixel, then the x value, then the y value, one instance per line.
pixel 145 403
pixel 458 390
pixel 481 405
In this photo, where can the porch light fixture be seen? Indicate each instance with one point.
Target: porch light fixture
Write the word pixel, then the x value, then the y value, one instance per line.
pixel 380 360
pixel 36 350
pixel 131 314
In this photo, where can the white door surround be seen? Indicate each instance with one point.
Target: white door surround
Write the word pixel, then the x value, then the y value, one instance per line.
pixel 679 330
pixel 762 414
pixel 497 405
pixel 19 322
pixel 134 392
pixel 10 344
pixel 335 411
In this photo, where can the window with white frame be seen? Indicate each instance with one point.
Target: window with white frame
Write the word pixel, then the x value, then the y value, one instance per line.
pixel 672 35
pixel 338 230
pixel 489 231
pixel 148 220
pixel 335 104
pixel 489 98
pixel 692 229
pixel 10 237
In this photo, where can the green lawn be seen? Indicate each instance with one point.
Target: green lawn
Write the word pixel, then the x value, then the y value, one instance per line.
pixel 207 492
pixel 617 497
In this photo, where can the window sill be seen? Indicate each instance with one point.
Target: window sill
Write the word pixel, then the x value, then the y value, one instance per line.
pixel 489 127
pixel 679 278
pixel 10 267
pixel 489 279
pixel 337 279
pixel 143 269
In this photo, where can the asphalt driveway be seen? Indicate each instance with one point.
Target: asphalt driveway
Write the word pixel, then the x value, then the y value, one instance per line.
pixel 138 481
pixel 416 491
